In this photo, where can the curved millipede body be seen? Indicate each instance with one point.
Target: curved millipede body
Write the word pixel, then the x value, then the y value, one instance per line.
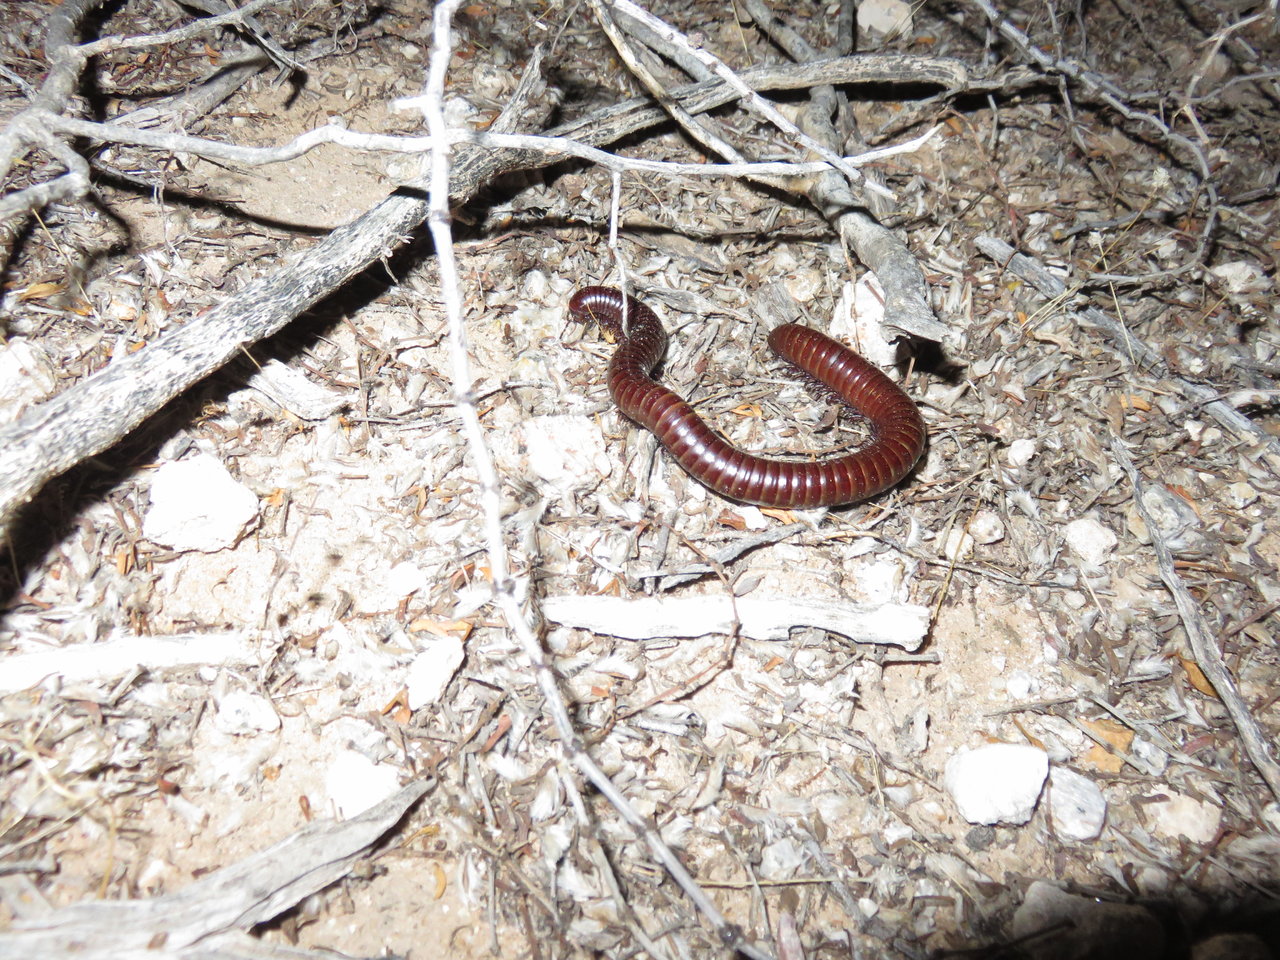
pixel 898 433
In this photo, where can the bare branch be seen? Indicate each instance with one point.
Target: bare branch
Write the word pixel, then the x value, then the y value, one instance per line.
pixel 556 148
pixel 749 97
pixel 1117 99
pixel 234 17
pixel 1200 635
pixel 508 590
pixel 94 414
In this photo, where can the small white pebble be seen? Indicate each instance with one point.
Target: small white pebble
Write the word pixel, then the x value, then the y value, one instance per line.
pixel 431 671
pixel 987 527
pixel 196 505
pixel 1078 808
pixel 1090 540
pixel 242 713
pixel 998 783
pixel 1020 452
pixel 1182 816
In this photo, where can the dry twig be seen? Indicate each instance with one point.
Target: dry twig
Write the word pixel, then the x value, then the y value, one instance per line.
pixel 1118 100
pixel 1200 636
pixel 211 917
pixel 1125 344
pixel 510 590
pixel 907 306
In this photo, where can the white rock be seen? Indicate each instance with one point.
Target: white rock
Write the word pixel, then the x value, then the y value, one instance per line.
pixel 432 669
pixel 1181 816
pixel 380 589
pixel 536 323
pixel 987 527
pixel 1150 759
pixel 1242 276
pixel 885 16
pixel 196 505
pixel 536 286
pixel 242 713
pixel 1021 685
pixel 1076 804
pixel 895 831
pixel 1020 453
pixel 858 317
pixel 900 796
pixel 355 783
pixel 1090 540
pixel 957 545
pixel 998 783
pixel 403 579
pixel 1242 494
pixel 751 516
pixel 781 859
pixel 458 112
pixel 567 451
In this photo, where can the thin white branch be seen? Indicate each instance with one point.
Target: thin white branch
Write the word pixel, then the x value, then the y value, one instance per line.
pixel 70 185
pixel 98 662
pixel 752 99
pixel 761 618
pixel 30 128
pixel 65 64
pixel 504 586
pixel 701 130
pixel 236 17
pixel 388 143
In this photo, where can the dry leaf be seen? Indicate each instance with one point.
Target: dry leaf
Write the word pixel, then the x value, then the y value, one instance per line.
pixel 39 291
pixel 1113 734
pixel 442 628
pixel 1196 677
pixel 731 520
pixel 1135 402
pixel 1031 737
pixel 400 700
pixel 1185 494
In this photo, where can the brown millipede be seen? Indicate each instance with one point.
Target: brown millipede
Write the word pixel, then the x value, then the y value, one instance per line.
pixel 898 433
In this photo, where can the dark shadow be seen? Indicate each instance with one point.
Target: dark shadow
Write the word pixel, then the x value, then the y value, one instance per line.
pixel 51 515
pixel 1187 928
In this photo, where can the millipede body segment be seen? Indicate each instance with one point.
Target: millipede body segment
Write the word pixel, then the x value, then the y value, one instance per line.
pixel 897 430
